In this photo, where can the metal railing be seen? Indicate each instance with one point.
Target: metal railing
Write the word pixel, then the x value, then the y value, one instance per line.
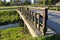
pixel 37 16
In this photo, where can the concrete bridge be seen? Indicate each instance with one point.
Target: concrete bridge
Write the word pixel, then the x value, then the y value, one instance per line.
pixel 39 20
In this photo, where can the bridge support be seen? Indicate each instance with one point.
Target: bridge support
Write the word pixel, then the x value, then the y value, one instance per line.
pixel 24 25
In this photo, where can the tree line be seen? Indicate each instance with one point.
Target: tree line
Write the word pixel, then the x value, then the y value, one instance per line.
pixel 12 3
pixel 27 2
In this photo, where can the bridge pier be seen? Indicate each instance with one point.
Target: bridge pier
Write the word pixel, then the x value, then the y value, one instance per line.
pixel 20 17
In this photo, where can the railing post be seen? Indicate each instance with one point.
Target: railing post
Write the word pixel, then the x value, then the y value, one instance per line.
pixel 38 22
pixel 33 16
pixel 35 20
pixel 28 11
pixel 45 17
pixel 20 9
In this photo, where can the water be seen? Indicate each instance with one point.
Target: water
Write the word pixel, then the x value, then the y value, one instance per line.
pixel 9 26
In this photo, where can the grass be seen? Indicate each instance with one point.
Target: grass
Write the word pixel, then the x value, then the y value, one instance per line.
pixel 9 7
pixel 8 17
pixel 18 33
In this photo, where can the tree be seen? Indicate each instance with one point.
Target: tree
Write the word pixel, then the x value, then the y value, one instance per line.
pixel 27 2
pixel 18 2
pixel 1 3
pixel 4 2
pixel 12 2
pixel 8 4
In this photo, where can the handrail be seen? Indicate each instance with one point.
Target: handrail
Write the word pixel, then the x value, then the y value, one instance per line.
pixel 37 16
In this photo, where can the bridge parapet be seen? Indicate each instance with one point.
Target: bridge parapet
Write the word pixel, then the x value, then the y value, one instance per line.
pixel 37 16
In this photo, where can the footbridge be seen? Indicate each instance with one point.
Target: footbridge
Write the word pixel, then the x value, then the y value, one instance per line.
pixel 39 20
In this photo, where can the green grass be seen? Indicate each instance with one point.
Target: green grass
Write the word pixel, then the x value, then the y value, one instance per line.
pixel 8 16
pixel 9 7
pixel 18 33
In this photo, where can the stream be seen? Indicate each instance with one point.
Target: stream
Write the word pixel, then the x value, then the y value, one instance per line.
pixel 9 26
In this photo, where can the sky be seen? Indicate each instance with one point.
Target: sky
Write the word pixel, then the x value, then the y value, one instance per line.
pixel 7 0
pixel 31 1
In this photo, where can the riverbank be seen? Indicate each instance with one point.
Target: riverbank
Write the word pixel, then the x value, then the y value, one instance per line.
pixel 17 33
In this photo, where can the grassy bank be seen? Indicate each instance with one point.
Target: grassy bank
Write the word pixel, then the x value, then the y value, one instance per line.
pixel 8 17
pixel 9 7
pixel 18 33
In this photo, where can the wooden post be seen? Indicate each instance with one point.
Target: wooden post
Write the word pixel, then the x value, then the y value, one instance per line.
pixel 28 11
pixel 35 20
pixel 32 16
pixel 45 16
pixel 20 8
pixel 38 24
